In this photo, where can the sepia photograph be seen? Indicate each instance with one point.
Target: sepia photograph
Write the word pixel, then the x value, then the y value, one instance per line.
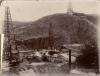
pixel 49 38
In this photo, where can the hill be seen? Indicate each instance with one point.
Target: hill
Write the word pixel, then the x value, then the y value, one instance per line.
pixel 67 29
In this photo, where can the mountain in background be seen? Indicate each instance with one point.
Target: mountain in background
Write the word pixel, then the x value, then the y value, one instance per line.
pixel 67 29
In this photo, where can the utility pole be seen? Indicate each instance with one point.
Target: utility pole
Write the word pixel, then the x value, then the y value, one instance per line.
pixel 69 60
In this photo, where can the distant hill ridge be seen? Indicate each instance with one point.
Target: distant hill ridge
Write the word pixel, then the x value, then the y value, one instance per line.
pixel 76 28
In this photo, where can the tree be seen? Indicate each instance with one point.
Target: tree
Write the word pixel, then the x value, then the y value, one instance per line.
pixel 89 58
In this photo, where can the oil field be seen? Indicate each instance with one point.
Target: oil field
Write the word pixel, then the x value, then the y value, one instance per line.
pixel 58 44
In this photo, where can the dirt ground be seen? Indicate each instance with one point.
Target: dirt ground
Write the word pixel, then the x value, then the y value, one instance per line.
pixel 43 69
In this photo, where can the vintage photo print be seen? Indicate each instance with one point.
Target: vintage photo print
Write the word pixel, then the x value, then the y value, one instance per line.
pixel 49 37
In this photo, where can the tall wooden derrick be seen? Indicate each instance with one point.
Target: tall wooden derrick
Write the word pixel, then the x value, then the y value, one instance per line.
pixel 51 37
pixel 70 9
pixel 11 52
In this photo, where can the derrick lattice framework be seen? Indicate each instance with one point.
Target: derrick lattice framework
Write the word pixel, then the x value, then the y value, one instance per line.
pixel 10 47
pixel 51 37
pixel 70 9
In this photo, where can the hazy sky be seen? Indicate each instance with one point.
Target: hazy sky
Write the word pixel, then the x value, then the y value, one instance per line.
pixel 30 10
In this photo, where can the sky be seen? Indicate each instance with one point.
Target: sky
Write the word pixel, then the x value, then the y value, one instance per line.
pixel 31 10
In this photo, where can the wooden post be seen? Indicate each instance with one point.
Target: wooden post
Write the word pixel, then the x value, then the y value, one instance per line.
pixel 0 55
pixel 69 61
pixel 1 51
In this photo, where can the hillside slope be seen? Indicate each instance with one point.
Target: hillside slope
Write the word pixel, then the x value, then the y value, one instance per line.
pixel 76 28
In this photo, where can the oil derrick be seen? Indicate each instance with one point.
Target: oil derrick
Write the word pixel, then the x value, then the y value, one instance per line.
pixel 51 37
pixel 11 52
pixel 7 45
pixel 69 10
